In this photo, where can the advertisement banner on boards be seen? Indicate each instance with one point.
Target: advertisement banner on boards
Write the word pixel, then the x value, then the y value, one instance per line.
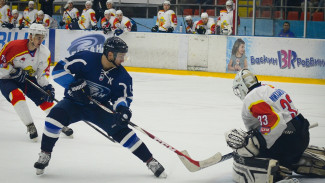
pixel 72 41
pixel 303 58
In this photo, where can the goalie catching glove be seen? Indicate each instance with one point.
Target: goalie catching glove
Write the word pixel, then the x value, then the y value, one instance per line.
pixel 243 143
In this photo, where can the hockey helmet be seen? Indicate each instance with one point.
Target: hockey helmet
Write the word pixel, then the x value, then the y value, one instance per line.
pixel 14 11
pixel 166 3
pixel 188 18
pixel 115 45
pixel 31 2
pixel 229 3
pixel 119 12
pixel 109 2
pixel 204 15
pixel 40 12
pixel 88 3
pixel 243 82
pixel 107 12
pixel 37 29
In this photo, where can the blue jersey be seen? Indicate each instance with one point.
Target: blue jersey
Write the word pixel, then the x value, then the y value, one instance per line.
pixel 114 85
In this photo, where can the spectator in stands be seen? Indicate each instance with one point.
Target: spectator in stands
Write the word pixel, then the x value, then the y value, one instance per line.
pixel 5 12
pixel 29 15
pixel 321 6
pixel 109 6
pixel 166 19
pixel 47 6
pixel 88 17
pixel 16 19
pixel 107 21
pixel 285 32
pixel 70 16
pixel 238 59
pixel 43 19
pixel 225 22
pixel 190 28
pixel 206 25
pixel 121 23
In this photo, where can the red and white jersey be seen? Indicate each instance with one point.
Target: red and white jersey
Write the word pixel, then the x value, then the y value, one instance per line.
pixel 87 19
pixel 191 30
pixel 166 19
pixel 125 24
pixel 15 54
pixel 74 13
pixel 210 26
pixel 104 23
pixel 29 16
pixel 5 14
pixel 227 18
pixel 16 21
pixel 46 21
pixel 269 110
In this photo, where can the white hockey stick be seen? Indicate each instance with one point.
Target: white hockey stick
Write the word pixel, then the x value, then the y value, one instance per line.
pixel 190 164
pixel 217 158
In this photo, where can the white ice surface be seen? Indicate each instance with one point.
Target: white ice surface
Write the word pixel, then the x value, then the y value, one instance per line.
pixel 187 112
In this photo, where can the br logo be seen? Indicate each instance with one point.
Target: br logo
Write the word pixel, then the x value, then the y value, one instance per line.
pixel 93 43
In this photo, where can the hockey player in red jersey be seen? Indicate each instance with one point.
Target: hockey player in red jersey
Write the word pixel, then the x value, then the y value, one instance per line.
pixel 166 19
pixel 277 132
pixel 121 23
pixel 226 20
pixel 21 59
pixel 206 25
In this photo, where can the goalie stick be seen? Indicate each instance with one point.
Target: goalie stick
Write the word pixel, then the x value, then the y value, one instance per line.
pixel 190 164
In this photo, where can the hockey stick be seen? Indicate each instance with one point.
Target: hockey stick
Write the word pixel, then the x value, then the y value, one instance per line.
pixel 192 168
pixel 191 165
pixel 88 123
pixel 140 24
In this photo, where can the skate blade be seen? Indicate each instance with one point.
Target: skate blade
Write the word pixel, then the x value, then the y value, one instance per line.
pixel 34 139
pixel 163 175
pixel 39 171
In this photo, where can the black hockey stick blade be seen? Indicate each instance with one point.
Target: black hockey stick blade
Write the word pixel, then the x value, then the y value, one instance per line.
pixel 217 158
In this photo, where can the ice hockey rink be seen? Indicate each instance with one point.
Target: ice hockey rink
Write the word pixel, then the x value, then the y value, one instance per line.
pixel 187 112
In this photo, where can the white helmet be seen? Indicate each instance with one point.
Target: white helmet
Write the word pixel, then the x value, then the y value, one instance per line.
pixel 119 12
pixel 188 18
pixel 204 15
pixel 37 29
pixel 166 2
pixel 229 3
pixel 89 3
pixel 243 81
pixel 14 11
pixel 109 2
pixel 40 12
pixel 107 12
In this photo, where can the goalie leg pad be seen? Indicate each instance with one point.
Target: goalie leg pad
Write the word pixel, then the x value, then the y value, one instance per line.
pixel 254 170
pixel 316 149
pixel 311 164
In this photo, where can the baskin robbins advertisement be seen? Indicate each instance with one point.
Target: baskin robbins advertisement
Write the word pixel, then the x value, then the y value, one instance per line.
pixel 287 57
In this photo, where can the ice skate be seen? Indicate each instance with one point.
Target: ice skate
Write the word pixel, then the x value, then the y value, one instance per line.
pixel 156 168
pixel 67 131
pixel 31 129
pixel 42 162
pixel 293 180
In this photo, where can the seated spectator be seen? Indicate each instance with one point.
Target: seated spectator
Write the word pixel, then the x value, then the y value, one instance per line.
pixel 206 25
pixel 109 6
pixel 43 19
pixel 190 28
pixel 166 19
pixel 29 15
pixel 107 21
pixel 4 12
pixel 285 32
pixel 70 15
pixel 121 23
pixel 88 17
pixel 16 19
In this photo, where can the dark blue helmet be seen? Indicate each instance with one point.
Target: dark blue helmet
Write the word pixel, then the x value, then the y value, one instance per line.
pixel 115 45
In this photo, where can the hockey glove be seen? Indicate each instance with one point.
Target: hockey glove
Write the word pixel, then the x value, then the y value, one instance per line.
pixel 74 20
pixel 18 74
pixel 118 32
pixel 79 91
pixel 154 29
pixel 244 144
pixel 51 93
pixel 94 27
pixel 170 29
pixel 107 29
pixel 201 30
pixel 22 25
pixel 123 115
pixel 62 23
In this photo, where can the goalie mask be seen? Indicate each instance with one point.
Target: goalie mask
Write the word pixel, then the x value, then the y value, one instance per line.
pixel 229 5
pixel 115 45
pixel 243 82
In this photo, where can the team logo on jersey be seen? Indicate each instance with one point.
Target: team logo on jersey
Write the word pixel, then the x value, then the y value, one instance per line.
pixel 93 43
pixel 97 90
pixel 101 77
pixel 22 59
pixel 265 130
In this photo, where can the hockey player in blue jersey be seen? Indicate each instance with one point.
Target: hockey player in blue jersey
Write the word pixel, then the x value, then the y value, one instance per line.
pixel 102 77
